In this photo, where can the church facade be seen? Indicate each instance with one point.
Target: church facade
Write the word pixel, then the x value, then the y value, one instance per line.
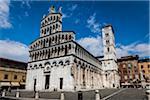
pixel 58 62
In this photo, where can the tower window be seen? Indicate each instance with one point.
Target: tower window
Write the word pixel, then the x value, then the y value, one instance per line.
pixel 107 41
pixel 108 49
pixel 107 34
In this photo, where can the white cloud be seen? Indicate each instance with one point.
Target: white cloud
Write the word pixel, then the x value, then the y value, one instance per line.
pixel 92 44
pixel 26 14
pixel 141 49
pixel 92 24
pixel 70 11
pixel 26 3
pixel 4 14
pixel 14 50
pixel 65 15
pixel 73 7
pixel 77 21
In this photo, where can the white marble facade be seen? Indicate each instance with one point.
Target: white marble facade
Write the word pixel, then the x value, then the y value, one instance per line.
pixel 58 62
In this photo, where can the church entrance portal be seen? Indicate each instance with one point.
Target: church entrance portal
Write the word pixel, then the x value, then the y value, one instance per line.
pixel 47 77
pixel 61 83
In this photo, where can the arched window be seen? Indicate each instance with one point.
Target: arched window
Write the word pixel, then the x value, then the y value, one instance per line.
pixel 108 49
pixel 56 26
pixel 47 29
pixel 66 37
pixel 107 41
pixel 54 17
pixel 66 50
pixel 69 37
pixel 56 39
pixel 42 24
pixel 53 38
pixel 55 50
pixel 69 46
pixel 53 26
pixel 57 18
pixel 62 36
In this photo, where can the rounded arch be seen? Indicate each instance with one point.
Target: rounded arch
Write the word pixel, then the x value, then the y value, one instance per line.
pixel 40 65
pixel 61 62
pixel 35 66
pixel 54 63
pixel 67 62
pixel 47 63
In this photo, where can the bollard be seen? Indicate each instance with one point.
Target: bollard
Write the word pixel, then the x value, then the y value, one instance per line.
pixel 17 94
pixel 97 96
pixel 36 95
pixel 80 95
pixel 3 93
pixel 62 96
pixel 148 94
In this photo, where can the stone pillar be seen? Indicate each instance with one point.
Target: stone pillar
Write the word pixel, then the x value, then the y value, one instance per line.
pixel 148 93
pixel 4 93
pixel 97 96
pixel 80 76
pixel 62 96
pixel 17 93
pixel 36 95
pixel 79 79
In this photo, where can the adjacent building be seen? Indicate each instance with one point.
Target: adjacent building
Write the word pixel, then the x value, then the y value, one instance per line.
pixel 144 69
pixel 129 71
pixel 12 74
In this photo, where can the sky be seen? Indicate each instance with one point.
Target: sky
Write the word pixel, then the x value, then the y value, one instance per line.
pixel 20 25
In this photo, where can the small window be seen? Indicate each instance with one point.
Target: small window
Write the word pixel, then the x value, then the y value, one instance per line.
pixel 15 77
pixel 108 49
pixel 107 34
pixel 23 78
pixel 141 66
pixel 148 66
pixel 69 46
pixel 107 41
pixel 6 76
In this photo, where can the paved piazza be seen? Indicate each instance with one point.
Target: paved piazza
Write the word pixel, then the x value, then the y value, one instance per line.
pixel 105 94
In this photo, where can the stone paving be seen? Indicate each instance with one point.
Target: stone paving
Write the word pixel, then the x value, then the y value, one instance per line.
pixel 122 94
pixel 130 94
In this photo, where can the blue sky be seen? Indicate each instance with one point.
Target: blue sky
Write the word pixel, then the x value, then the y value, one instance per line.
pixel 21 22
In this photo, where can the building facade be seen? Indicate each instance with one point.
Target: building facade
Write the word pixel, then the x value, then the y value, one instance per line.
pixel 129 71
pixel 58 62
pixel 12 74
pixel 144 69
pixel 111 77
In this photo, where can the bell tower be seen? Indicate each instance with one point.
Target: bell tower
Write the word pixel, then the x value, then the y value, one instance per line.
pixel 109 62
pixel 109 42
